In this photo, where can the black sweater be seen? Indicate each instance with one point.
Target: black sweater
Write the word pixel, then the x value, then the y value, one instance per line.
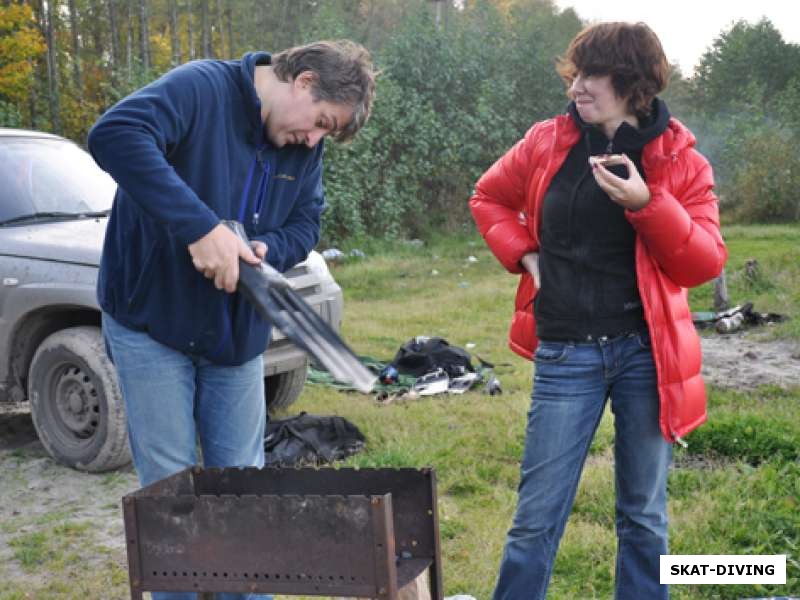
pixel 586 258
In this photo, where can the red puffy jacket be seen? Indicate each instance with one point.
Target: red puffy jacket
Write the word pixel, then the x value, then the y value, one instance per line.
pixel 678 245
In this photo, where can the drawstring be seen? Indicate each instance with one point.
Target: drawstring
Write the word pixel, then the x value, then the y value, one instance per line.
pixel 246 192
pixel 262 192
pixel 262 187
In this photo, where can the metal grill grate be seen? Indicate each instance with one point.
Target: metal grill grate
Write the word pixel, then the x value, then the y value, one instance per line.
pixel 333 532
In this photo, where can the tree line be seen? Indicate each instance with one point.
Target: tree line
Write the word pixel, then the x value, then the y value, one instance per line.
pixel 460 83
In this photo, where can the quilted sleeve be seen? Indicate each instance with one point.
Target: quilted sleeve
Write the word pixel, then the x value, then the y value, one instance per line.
pixel 680 225
pixel 499 202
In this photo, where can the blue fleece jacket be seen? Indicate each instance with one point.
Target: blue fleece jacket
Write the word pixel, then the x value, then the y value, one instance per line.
pixel 187 151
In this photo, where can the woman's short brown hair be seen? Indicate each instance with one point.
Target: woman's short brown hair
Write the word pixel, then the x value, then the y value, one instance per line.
pixel 343 74
pixel 630 53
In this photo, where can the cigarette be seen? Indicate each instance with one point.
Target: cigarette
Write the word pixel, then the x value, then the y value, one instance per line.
pixel 607 160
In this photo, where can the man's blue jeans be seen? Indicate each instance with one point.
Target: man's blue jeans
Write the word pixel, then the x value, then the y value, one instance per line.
pixel 173 399
pixel 572 382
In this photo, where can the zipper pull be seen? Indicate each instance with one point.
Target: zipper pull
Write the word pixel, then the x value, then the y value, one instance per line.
pixel 610 147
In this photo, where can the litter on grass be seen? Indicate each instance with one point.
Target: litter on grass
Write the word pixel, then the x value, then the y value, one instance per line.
pixel 735 319
pixel 423 366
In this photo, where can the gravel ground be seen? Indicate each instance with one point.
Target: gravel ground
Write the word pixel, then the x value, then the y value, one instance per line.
pixel 36 493
pixel 739 362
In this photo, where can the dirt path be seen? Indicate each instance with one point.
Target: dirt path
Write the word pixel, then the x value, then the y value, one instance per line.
pixel 738 361
pixel 36 493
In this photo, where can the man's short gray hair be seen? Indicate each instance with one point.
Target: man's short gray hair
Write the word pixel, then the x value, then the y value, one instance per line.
pixel 343 74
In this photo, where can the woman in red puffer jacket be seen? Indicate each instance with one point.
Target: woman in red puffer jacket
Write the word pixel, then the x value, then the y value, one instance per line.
pixel 608 214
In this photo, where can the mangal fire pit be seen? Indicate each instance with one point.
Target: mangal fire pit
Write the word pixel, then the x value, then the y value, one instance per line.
pixel 328 532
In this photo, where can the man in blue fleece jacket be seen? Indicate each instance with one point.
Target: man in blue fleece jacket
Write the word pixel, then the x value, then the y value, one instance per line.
pixel 208 141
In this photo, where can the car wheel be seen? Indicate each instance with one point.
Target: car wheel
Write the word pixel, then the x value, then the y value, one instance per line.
pixel 76 403
pixel 282 389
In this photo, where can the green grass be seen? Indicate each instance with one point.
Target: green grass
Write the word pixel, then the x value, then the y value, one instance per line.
pixel 53 552
pixel 737 495
pixel 53 545
pixel 726 496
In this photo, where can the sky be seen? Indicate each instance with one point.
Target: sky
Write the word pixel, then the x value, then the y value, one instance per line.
pixel 687 28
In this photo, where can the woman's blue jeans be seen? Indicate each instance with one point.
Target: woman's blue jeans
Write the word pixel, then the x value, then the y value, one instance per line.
pixel 173 400
pixel 572 382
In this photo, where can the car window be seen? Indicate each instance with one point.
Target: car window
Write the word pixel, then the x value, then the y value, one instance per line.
pixel 45 175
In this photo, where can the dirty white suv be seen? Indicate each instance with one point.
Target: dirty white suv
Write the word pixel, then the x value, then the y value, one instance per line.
pixel 54 203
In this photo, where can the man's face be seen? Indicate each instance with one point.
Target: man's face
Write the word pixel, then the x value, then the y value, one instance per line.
pixel 297 119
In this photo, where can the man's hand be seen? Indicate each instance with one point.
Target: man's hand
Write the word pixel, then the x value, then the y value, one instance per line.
pixel 531 263
pixel 631 193
pixel 216 255
pixel 259 249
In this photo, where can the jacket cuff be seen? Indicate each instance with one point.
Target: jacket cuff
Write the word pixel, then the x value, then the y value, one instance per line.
pixel 189 232
pixel 660 203
pixel 656 199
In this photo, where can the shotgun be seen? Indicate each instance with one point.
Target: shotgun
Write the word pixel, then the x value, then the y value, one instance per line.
pixel 276 301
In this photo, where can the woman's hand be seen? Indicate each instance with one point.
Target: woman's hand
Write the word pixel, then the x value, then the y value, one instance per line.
pixel 631 193
pixel 531 263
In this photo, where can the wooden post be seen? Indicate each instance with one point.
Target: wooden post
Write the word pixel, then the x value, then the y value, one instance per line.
pixel 721 301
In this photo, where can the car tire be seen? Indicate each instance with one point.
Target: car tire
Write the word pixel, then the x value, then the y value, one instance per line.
pixel 76 403
pixel 282 389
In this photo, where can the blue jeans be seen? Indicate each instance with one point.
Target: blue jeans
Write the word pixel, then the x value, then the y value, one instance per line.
pixel 173 399
pixel 572 382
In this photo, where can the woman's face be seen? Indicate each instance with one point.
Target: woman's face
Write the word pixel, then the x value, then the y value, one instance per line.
pixel 596 100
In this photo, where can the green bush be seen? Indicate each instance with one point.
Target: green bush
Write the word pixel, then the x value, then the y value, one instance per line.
pixel 765 187
pixel 787 105
pixel 450 101
pixel 743 105
pixel 9 115
pixel 375 183
pixel 750 438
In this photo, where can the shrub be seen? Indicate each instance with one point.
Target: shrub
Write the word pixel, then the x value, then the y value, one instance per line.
pixel 449 102
pixel 765 187
pixel 376 183
pixel 750 438
pixel 9 115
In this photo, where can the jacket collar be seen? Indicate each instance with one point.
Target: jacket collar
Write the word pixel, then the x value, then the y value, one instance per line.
pixel 252 104
pixel 665 147
pixel 627 138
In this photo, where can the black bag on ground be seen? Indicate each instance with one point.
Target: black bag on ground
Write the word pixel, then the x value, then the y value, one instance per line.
pixel 422 355
pixel 310 439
